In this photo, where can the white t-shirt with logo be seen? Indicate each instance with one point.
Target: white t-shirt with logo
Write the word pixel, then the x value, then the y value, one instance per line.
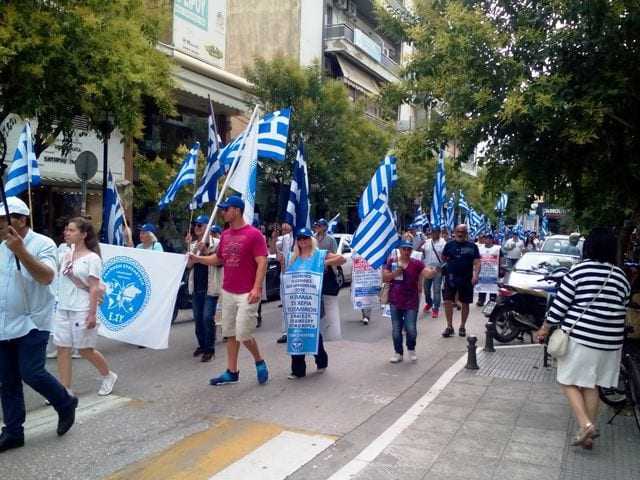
pixel 70 296
pixel 431 247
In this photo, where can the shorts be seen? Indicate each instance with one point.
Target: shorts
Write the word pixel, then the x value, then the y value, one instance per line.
pixel 69 330
pixel 239 317
pixel 462 288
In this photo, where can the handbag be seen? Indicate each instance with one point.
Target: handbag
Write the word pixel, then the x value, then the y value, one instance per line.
pixel 383 296
pixel 559 339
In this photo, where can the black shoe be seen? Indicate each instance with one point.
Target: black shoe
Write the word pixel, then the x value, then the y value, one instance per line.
pixel 259 323
pixel 198 351
pixel 67 419
pixel 207 356
pixel 448 332
pixel 480 304
pixel 7 442
pixel 462 332
pixel 282 339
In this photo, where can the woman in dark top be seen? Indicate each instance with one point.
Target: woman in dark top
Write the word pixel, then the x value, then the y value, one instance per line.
pixel 592 299
pixel 406 276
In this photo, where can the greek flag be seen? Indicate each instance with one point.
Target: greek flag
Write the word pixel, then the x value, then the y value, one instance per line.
pixel 245 175
pixel 208 189
pixel 333 223
pixel 297 214
pixel 24 168
pixel 475 222
pixel 439 192
pixel 501 204
pixel 450 218
pixel 113 216
pixel 381 184
pixel 462 203
pixel 519 229
pixel 376 235
pixel 186 175
pixel 421 219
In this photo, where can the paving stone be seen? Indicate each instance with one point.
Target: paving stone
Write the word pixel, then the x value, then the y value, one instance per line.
pixel 469 466
pixel 547 408
pixel 404 455
pixel 495 416
pixel 539 436
pixel 545 421
pixel 473 378
pixel 482 431
pixel 487 448
pixel 431 439
pixel 447 412
pixel 380 471
pixel 542 397
pixel 543 455
pixel 502 404
pixel 464 389
pixel 508 470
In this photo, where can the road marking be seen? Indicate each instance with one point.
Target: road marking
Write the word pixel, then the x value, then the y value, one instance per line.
pixel 45 419
pixel 376 447
pixel 278 458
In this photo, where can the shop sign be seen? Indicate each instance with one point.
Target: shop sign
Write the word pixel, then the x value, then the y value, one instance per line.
pixel 199 29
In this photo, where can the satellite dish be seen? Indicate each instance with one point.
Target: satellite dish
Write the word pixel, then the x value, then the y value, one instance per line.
pixel 86 165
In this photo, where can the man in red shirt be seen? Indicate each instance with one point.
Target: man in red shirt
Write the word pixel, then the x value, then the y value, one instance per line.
pixel 243 254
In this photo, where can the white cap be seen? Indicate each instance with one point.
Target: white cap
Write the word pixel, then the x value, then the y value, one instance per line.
pixel 16 206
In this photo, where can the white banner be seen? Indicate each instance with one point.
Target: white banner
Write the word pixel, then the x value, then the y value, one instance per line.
pixel 365 284
pixel 199 29
pixel 489 269
pixel 142 286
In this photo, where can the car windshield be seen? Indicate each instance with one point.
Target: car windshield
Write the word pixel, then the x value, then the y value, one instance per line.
pixel 544 263
pixel 557 245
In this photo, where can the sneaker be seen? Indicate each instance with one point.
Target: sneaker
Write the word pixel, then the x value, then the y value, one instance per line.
pixel 227 377
pixel 462 332
pixel 291 376
pixel 448 332
pixel 75 354
pixel 479 303
pixel 396 358
pixel 434 313
pixel 282 339
pixel 53 354
pixel 365 320
pixel 412 356
pixel 262 372
pixel 427 307
pixel 107 384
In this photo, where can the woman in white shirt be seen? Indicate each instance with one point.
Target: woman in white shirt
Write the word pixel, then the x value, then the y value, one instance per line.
pixel 79 291
pixel 148 239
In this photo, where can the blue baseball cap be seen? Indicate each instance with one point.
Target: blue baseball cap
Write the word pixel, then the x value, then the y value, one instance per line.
pixel 232 201
pixel 304 233
pixel 148 227
pixel 202 219
pixel 405 244
pixel 322 222
pixel 215 229
pixel 412 226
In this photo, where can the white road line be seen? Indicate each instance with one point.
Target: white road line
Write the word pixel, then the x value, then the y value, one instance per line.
pixel 46 419
pixel 277 458
pixel 376 447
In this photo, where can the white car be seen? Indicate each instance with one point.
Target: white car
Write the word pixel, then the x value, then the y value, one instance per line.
pixel 344 248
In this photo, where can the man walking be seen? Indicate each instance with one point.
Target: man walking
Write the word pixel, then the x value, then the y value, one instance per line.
pixel 243 254
pixel 26 311
pixel 432 257
pixel 463 267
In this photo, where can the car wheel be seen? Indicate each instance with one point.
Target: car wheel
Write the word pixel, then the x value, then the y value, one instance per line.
pixel 340 278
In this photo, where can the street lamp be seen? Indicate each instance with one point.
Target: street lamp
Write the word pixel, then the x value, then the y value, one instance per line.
pixel 106 128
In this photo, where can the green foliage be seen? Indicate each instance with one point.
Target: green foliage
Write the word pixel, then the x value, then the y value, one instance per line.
pixel 342 147
pixel 553 88
pixel 67 58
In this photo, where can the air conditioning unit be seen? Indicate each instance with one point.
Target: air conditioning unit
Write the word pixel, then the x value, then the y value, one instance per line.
pixel 352 11
pixel 341 4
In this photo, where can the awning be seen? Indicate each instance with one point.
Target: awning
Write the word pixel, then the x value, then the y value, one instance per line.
pixel 357 77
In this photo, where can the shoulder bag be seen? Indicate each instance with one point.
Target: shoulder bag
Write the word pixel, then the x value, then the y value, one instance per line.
pixel 559 340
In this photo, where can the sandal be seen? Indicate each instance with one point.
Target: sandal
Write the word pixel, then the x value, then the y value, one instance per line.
pixel 588 444
pixel 584 434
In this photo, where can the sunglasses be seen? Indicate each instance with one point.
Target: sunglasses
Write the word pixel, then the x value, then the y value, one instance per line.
pixel 199 225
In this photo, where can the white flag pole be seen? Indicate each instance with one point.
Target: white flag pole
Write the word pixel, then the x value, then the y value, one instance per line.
pixel 232 170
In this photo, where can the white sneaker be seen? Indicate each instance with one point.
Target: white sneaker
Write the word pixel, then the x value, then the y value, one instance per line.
pixel 396 358
pixel 107 384
pixel 53 354
pixel 412 356
pixel 75 354
pixel 365 320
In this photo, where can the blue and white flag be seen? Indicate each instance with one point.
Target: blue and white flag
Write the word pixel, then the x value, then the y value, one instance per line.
pixel 113 216
pixel 208 189
pixel 186 175
pixel 462 203
pixel 245 176
pixel 376 235
pixel 450 217
pixel 333 223
pixel 273 132
pixel 439 192
pixel 421 219
pixel 297 214
pixel 24 168
pixel 501 204
pixel 475 222
pixel 381 183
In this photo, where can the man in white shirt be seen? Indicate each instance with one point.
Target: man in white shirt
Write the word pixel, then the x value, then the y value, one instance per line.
pixel 432 257
pixel 489 270
pixel 513 249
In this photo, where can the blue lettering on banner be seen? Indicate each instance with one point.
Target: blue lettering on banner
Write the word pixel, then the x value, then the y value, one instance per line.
pixel 127 295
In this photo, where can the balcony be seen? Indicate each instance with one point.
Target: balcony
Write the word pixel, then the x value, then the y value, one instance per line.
pixel 364 50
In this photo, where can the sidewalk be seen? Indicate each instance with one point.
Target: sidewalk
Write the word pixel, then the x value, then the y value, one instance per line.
pixel 505 421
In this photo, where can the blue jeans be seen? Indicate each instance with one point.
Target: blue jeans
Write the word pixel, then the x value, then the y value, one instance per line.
pixel 435 299
pixel 23 360
pixel 403 319
pixel 204 310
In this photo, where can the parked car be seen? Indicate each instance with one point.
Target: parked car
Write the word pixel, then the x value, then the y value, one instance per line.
pixel 344 248
pixel 556 243
pixel 533 266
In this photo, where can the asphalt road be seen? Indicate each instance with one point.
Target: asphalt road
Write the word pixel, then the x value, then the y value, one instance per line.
pixel 164 412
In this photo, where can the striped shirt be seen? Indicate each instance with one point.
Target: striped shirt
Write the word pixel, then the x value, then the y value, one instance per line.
pixel 602 325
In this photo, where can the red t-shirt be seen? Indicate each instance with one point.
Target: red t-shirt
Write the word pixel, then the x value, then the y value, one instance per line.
pixel 238 250
pixel 405 293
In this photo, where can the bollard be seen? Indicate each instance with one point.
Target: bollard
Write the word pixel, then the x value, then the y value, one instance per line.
pixel 545 361
pixel 488 341
pixel 472 361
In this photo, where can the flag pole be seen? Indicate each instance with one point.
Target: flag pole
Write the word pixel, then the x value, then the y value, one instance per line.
pixel 30 205
pixel 229 175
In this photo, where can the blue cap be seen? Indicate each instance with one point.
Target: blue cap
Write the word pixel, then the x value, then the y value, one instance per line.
pixel 412 226
pixel 232 201
pixel 201 219
pixel 405 244
pixel 215 229
pixel 148 227
pixel 304 232
pixel 322 222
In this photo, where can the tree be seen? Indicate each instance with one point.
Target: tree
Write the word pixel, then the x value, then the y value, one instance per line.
pixel 63 59
pixel 552 86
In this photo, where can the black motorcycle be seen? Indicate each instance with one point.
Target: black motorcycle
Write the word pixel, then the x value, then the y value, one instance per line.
pixel 518 311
